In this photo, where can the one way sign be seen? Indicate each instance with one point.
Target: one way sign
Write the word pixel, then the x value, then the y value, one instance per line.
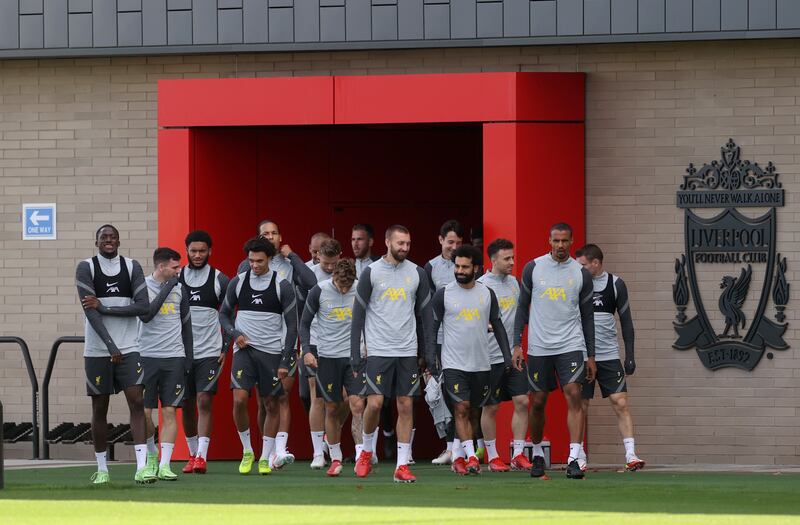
pixel 39 222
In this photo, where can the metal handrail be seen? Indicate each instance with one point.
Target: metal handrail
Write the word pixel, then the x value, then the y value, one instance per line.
pixel 26 355
pixel 51 361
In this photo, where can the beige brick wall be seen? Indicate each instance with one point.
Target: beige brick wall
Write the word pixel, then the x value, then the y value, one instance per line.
pixel 82 133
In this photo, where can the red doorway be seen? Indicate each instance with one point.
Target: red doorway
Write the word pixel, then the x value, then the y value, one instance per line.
pixel 502 150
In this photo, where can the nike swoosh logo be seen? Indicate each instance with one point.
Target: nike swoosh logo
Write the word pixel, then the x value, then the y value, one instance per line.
pixel 138 370
pixel 573 369
pixel 210 378
pixel 257 295
pixel 112 284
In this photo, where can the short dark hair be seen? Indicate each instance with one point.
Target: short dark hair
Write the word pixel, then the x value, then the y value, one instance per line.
pixel 365 228
pixel 257 244
pixel 266 221
pixel 468 250
pixel 591 252
pixel 497 245
pixel 198 236
pixel 451 226
pixel 330 248
pixel 164 255
pixel 561 227
pixel 97 233
pixel 345 270
pixel 396 228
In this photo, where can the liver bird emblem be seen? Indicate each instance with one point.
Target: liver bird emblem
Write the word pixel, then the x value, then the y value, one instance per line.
pixel 734 292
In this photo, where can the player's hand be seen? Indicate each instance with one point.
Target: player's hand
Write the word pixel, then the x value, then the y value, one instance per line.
pixel 187 367
pixel 286 250
pixel 242 341
pixel 221 358
pixel 517 359
pixel 309 360
pixel 591 369
pixel 116 358
pixel 630 366
pixel 421 364
pixel 283 373
pixel 490 329
pixel 90 301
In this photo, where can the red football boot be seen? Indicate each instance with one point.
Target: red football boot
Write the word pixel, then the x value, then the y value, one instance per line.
pixel 404 475
pixel 199 465
pixel 473 465
pixel 459 466
pixel 364 464
pixel 497 465
pixel 520 462
pixel 189 467
pixel 335 469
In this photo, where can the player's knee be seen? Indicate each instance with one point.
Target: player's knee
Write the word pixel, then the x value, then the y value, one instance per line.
pixel 204 402
pixel 521 403
pixel 272 405
pixel 375 402
pixel 463 409
pixel 405 405
pixel 619 403
pixel 240 400
pixel 538 403
pixel 357 408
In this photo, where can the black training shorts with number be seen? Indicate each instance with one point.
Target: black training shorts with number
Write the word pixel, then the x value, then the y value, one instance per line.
pixel 505 385
pixel 292 365
pixel 203 376
pixel 611 377
pixel 335 373
pixel 105 378
pixel 462 386
pixel 252 367
pixel 545 373
pixel 164 380
pixel 392 376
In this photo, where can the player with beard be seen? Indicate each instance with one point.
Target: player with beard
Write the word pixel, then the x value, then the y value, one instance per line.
pixel 556 303
pixel 361 240
pixel 440 274
pixel 206 287
pixel 113 294
pixel 391 295
pixel 287 265
pixel 463 308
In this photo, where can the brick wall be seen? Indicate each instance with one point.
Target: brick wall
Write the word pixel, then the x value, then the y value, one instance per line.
pixel 82 133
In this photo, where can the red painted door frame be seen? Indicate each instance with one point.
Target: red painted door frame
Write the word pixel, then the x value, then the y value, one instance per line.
pixel 533 152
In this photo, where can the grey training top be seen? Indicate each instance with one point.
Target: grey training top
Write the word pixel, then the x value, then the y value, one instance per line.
pixel 605 301
pixel 321 276
pixel 206 330
pixel 106 334
pixel 264 329
pixel 506 289
pixel 441 272
pixel 333 312
pixel 363 263
pixel 389 299
pixel 166 332
pixel 556 303
pixel 464 314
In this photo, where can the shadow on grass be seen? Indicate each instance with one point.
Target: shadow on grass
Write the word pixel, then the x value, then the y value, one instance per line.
pixel 641 492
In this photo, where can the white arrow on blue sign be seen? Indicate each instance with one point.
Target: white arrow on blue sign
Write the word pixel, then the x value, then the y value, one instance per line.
pixel 39 222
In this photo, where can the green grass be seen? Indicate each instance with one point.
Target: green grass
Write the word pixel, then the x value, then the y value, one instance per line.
pixel 299 495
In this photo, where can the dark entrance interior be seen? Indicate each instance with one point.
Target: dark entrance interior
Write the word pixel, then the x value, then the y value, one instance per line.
pixel 326 178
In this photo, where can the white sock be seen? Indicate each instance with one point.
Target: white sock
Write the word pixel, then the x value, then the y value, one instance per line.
pixel 281 440
pixel 519 446
pixel 582 454
pixel 141 456
pixel 629 448
pixel 469 448
pixel 458 450
pixel 413 431
pixel 267 447
pixel 244 437
pixel 375 440
pixel 316 441
pixel 152 449
pixel 192 442
pixel 166 454
pixel 403 450
pixel 574 451
pixel 335 451
pixel 449 446
pixel 538 450
pixel 491 449
pixel 359 448
pixel 369 441
pixel 102 465
pixel 481 443
pixel 202 447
